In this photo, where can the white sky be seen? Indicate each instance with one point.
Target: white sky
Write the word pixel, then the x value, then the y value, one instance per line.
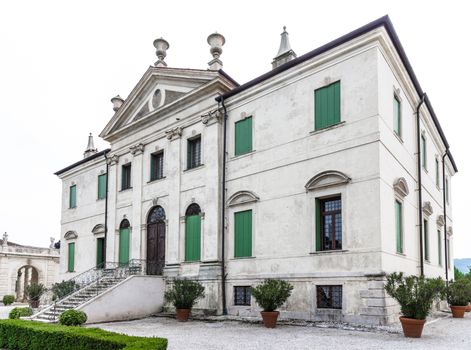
pixel 62 61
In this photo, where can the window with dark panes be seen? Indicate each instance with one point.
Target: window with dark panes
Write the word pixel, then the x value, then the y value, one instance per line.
pixel 126 176
pixel 329 223
pixel 242 295
pixel 156 166
pixel 329 297
pixel 194 153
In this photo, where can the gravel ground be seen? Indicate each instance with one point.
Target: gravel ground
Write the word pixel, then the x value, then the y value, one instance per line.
pixel 444 333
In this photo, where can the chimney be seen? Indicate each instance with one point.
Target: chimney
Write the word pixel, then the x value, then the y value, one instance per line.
pixel 91 150
pixel 216 41
pixel 285 53
pixel 117 102
pixel 162 46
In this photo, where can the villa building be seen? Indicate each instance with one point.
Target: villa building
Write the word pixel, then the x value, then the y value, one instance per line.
pixel 311 173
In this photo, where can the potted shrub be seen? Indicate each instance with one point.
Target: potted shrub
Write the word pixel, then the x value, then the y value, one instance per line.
pixel 34 292
pixel 183 294
pixel 415 296
pixel 270 295
pixel 459 295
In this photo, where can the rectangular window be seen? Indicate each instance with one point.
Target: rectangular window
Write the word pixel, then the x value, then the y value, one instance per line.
pixel 329 297
pixel 242 295
pixel 71 255
pixel 327 106
pixel 243 234
pixel 447 194
pixel 437 172
pixel 397 115
pixel 439 236
pixel 156 166
pixel 194 153
pixel 73 196
pixel 398 209
pixel 329 223
pixel 423 152
pixel 126 176
pixel 243 136
pixel 426 241
pixel 102 186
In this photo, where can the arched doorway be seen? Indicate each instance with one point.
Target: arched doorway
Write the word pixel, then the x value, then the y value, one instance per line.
pixel 124 241
pixel 193 233
pixel 156 241
pixel 26 275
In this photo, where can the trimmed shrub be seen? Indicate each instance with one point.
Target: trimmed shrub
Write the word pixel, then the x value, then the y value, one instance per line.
pixel 272 293
pixel 72 318
pixel 184 293
pixel 459 292
pixel 18 312
pixel 8 299
pixel 28 335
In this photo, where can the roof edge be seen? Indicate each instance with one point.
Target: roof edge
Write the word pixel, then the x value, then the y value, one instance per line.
pixel 83 161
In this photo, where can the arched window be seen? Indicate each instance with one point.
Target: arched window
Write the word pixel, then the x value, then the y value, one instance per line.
pixel 193 233
pixel 124 240
pixel 156 214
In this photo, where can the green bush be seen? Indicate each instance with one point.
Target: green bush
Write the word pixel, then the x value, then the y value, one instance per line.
pixel 184 293
pixel 73 318
pixel 18 312
pixel 63 289
pixel 459 292
pixel 8 299
pixel 28 335
pixel 414 294
pixel 35 290
pixel 272 293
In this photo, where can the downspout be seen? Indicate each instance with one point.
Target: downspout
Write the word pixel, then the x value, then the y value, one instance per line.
pixel 223 210
pixel 419 179
pixel 106 209
pixel 444 215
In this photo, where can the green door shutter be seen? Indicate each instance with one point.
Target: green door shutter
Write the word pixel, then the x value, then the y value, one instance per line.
pixel 398 210
pixel 243 234
pixel 193 238
pixel 243 136
pixel 73 196
pixel 102 186
pixel 99 252
pixel 124 246
pixel 71 262
pixel 318 225
pixel 327 106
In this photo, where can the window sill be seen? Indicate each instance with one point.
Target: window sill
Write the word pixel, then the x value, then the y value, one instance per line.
pixel 328 252
pixel 330 127
pixel 191 262
pixel 125 189
pixel 239 156
pixel 398 137
pixel 157 180
pixel 243 258
pixel 100 199
pixel 195 168
pixel 400 254
pixel 72 208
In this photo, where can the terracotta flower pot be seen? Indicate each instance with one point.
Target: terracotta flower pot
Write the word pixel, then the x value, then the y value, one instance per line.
pixel 468 308
pixel 411 327
pixel 458 311
pixel 34 304
pixel 183 314
pixel 270 318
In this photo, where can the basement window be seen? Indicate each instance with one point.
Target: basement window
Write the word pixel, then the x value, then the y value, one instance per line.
pixel 329 297
pixel 242 295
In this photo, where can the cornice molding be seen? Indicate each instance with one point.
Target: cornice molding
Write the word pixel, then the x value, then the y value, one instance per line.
pixel 400 187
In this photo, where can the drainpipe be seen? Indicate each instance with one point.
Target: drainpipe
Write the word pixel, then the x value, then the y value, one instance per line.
pixel 419 174
pixel 223 210
pixel 106 208
pixel 444 214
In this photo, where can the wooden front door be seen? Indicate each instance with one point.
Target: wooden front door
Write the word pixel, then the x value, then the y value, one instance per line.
pixel 155 248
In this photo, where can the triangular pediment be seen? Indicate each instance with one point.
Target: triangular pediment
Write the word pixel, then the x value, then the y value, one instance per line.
pixel 158 89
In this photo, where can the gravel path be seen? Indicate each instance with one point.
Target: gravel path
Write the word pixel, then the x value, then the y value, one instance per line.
pixel 445 333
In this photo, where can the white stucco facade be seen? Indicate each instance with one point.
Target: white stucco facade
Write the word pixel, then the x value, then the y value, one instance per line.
pixel 291 166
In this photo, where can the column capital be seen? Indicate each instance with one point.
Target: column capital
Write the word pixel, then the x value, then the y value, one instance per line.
pixel 211 117
pixel 137 149
pixel 112 159
pixel 174 133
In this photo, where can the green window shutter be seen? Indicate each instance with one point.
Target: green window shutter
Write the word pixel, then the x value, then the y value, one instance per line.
pixel 318 225
pixel 193 238
pixel 397 115
pixel 243 234
pixel 398 209
pixel 439 236
pixel 124 246
pixel 99 252
pixel 327 106
pixel 71 262
pixel 437 172
pixel 426 241
pixel 102 186
pixel 243 136
pixel 73 196
pixel 424 152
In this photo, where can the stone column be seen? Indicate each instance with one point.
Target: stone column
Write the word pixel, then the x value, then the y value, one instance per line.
pixel 111 254
pixel 137 183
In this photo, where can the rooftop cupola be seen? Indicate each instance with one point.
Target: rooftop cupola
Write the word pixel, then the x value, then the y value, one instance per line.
pixel 91 150
pixel 161 46
pixel 216 41
pixel 285 53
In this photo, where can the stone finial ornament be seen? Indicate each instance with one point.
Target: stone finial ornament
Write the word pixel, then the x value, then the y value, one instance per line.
pixel 161 46
pixel 216 41
pixel 91 150
pixel 5 239
pixel 117 102
pixel 285 53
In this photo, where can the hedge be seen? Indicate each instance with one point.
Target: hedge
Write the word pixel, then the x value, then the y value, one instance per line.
pixel 29 335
